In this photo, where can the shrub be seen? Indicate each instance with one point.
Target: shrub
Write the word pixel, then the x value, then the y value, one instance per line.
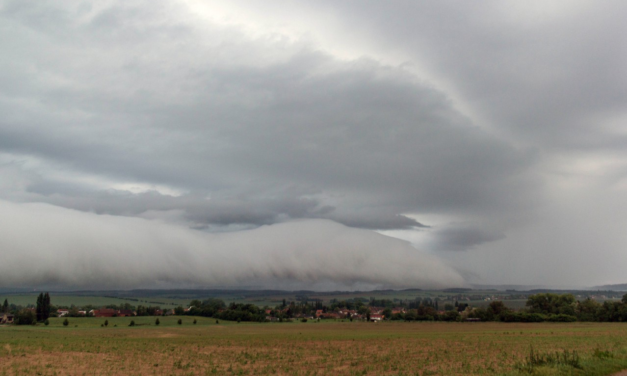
pixel 194 321
pixel 132 323
pixel 217 322
pixel 66 322
pixel 106 323
pixel 25 317
pixel 180 322
pixel 303 320
pixel 157 322
pixel 47 322
pixel 537 359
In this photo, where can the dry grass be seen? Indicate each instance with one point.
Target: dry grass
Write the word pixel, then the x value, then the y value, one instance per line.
pixel 291 348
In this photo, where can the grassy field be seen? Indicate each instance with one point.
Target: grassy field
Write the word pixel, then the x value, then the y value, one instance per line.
pixel 339 348
pixel 96 301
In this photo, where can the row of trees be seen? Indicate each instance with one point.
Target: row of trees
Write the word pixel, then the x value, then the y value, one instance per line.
pixel 539 307
pixel 216 308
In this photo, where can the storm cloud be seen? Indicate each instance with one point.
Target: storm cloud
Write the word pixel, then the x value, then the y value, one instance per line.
pixel 86 250
pixel 457 127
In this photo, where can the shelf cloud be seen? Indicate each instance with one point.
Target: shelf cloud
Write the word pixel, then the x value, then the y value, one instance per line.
pixel 86 250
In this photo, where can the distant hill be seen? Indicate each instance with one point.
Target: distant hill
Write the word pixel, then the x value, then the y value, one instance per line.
pixel 618 287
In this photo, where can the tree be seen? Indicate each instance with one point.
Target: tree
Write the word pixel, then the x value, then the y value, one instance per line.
pixel 106 323
pixel 25 317
pixel 66 322
pixel 549 303
pixel 496 308
pixel 43 306
pixel 46 310
pixel 40 307
pixel 157 322
pixel 180 322
pixel 5 306
pixel 387 313
pixel 588 309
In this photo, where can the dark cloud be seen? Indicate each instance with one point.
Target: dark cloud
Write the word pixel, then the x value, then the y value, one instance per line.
pixel 460 237
pixel 368 138
pixel 459 126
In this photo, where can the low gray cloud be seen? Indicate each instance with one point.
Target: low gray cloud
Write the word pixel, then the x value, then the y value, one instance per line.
pixel 97 251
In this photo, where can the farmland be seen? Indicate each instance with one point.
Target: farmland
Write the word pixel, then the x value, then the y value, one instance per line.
pixel 311 348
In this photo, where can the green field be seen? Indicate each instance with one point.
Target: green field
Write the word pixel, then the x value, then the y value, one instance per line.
pixel 312 348
pixel 96 301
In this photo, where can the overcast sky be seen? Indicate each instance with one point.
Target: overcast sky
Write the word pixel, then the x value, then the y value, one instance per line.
pixel 313 144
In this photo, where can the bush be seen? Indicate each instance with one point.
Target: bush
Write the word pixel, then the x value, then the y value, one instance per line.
pixel 106 323
pixel 47 322
pixel 303 320
pixel 25 317
pixel 217 322
pixel 66 323
pixel 180 322
pixel 132 323
pixel 194 321
pixel 562 318
pixel 157 322
pixel 537 359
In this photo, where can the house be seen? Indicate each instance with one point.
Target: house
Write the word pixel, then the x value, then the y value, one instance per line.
pixel 104 312
pixel 376 317
pixel 62 312
pixel 125 313
pixel 6 318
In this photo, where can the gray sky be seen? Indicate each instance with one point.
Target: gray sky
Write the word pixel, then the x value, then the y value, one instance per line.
pixel 226 143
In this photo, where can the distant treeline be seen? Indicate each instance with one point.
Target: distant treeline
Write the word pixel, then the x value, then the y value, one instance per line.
pixel 545 307
pixel 541 307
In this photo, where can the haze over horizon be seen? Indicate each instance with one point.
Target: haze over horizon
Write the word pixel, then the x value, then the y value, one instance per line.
pixel 312 144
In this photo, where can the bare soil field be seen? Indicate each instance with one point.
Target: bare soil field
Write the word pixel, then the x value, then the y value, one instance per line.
pixel 339 348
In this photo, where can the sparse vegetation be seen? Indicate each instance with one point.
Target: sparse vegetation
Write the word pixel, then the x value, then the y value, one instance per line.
pixel 311 348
